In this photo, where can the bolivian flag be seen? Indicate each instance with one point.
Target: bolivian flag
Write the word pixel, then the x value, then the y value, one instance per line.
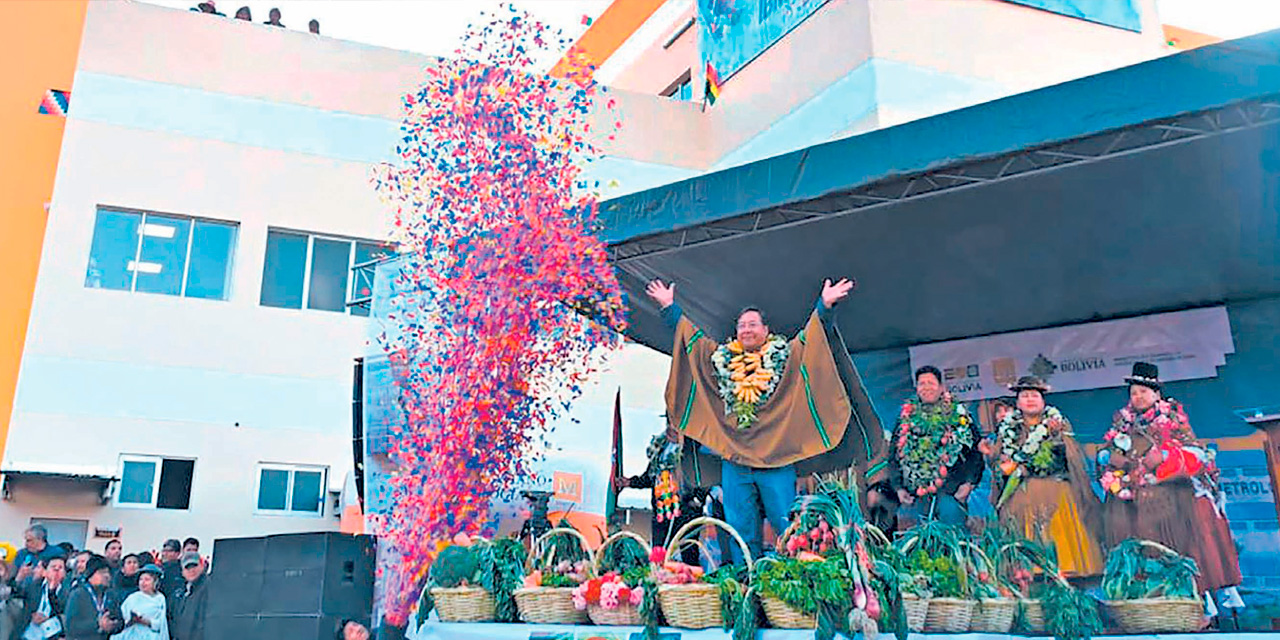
pixel 713 84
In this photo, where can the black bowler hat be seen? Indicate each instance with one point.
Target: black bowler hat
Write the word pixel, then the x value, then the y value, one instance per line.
pixel 1030 383
pixel 1145 374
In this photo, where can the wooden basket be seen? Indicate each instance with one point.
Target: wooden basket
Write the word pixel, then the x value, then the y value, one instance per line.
pixel 948 615
pixel 1033 615
pixel 550 605
pixel 1157 615
pixel 463 604
pixel 696 606
pixel 782 616
pixel 994 615
pixel 626 614
pixel 916 609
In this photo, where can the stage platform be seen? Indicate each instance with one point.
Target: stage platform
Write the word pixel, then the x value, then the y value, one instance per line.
pixel 441 631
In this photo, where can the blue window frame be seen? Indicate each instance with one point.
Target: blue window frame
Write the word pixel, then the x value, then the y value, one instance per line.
pixel 161 253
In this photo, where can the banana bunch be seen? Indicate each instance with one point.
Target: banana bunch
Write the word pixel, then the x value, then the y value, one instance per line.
pixel 750 376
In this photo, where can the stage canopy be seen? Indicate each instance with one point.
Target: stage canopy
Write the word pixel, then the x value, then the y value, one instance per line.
pixel 1148 188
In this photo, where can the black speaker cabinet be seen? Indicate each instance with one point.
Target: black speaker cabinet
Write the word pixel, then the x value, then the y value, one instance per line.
pixel 292 576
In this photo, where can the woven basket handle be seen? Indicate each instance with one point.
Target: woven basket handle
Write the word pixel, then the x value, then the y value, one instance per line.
pixel 678 540
pixel 536 551
pixel 599 556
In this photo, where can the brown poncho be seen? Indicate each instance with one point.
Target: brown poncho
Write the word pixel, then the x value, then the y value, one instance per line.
pixel 818 417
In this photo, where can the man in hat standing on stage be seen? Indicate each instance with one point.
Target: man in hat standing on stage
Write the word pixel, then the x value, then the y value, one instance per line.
pixel 765 410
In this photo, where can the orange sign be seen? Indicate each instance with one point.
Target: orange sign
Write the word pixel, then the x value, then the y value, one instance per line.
pixel 567 486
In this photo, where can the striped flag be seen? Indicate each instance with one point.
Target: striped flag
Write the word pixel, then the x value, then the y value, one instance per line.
pixel 713 84
pixel 615 461
pixel 55 103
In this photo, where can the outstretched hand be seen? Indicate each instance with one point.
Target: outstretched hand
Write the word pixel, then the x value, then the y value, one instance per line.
pixel 663 294
pixel 833 293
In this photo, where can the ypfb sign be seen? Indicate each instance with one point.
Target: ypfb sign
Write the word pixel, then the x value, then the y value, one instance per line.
pixel 1186 345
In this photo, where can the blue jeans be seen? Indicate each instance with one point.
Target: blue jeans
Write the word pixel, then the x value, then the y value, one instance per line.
pixel 746 490
pixel 943 508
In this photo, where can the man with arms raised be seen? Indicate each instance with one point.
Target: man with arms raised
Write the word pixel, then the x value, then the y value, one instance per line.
pixel 769 408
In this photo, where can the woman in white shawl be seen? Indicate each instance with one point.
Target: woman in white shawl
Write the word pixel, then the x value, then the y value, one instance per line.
pixel 144 610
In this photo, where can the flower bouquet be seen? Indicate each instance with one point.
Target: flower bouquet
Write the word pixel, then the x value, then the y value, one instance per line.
pixel 473 580
pixel 558 564
pixel 1150 588
pixel 693 599
pixel 624 595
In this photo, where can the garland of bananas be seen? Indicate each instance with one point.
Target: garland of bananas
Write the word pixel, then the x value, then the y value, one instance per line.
pixel 748 378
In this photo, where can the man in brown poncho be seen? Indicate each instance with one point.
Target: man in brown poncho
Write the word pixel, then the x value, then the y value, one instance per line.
pixel 760 411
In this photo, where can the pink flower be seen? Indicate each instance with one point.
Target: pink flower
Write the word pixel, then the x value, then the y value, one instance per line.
pixel 658 555
pixel 637 596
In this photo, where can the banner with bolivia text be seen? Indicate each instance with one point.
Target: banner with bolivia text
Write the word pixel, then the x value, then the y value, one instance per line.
pixel 1186 345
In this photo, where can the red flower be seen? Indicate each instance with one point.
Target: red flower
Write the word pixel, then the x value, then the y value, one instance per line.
pixel 593 590
pixel 624 594
pixel 658 555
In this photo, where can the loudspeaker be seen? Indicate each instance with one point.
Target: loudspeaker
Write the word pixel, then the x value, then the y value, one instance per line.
pixel 302 575
pixel 235 584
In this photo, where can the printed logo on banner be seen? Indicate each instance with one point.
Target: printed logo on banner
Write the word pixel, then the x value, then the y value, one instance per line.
pixel 1005 371
pixel 567 486
pixel 1249 487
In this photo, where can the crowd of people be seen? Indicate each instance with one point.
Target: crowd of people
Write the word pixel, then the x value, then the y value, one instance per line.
pixel 55 591
pixel 759 414
pixel 244 13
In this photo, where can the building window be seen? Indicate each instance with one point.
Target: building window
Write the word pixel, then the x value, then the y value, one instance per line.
pixel 291 489
pixel 681 89
pixel 150 482
pixel 304 270
pixel 161 253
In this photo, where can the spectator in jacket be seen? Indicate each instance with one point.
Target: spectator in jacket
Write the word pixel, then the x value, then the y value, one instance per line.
pixel 350 629
pixel 126 581
pixel 191 545
pixel 188 620
pixel 170 553
pixel 89 613
pixel 44 597
pixel 114 553
pixel 35 550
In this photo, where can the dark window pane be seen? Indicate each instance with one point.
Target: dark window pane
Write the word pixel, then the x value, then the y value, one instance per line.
pixel 209 269
pixel 330 263
pixel 286 266
pixel 115 244
pixel 273 486
pixel 136 479
pixel 306 491
pixel 163 257
pixel 175 484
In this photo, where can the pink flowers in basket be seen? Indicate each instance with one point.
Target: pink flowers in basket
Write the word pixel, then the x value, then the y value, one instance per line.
pixel 609 592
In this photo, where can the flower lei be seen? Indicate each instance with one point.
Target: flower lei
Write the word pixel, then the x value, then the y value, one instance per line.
pixel 1038 452
pixel 665 460
pixel 929 440
pixel 1165 423
pixel 747 379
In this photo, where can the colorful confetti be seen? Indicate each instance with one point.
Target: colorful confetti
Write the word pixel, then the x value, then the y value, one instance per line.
pixel 496 230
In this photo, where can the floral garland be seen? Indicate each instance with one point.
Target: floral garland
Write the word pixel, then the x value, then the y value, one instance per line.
pixel 929 440
pixel 664 461
pixel 747 379
pixel 1038 453
pixel 1166 425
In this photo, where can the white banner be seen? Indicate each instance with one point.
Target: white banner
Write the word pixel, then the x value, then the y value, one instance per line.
pixel 1186 345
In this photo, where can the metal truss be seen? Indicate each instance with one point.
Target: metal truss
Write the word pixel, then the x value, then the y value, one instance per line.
pixel 1110 144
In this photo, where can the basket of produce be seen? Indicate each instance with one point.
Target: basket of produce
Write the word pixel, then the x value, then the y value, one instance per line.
pixel 473 580
pixel 560 562
pixel 615 598
pixel 1151 588
pixel 692 599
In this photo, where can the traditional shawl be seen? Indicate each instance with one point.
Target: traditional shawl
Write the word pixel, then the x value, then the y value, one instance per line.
pixel 808 420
